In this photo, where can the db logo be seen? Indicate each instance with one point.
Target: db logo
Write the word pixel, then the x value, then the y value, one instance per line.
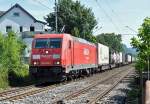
pixel 86 51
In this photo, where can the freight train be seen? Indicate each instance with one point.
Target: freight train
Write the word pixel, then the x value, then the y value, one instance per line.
pixel 60 57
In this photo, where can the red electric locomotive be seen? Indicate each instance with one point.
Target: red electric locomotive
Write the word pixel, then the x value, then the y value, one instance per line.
pixel 61 56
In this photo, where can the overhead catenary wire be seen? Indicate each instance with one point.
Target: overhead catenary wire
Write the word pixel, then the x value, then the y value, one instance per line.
pixel 119 19
pixel 39 2
pixel 56 18
pixel 131 29
pixel 109 18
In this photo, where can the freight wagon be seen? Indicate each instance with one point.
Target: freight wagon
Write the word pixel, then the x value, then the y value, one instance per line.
pixel 119 59
pixel 128 58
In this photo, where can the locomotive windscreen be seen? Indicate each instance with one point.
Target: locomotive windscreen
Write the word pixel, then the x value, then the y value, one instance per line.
pixel 48 43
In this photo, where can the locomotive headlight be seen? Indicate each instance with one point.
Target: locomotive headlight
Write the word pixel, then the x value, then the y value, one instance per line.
pixel 57 62
pixel 35 56
pixel 35 63
pixel 46 52
pixel 56 56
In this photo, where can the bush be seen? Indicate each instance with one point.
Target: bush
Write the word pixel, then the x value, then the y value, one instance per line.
pixel 3 77
pixel 12 71
pixel 19 76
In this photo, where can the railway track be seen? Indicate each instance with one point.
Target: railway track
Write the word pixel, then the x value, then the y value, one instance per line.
pixel 108 90
pixel 23 94
pixel 20 93
pixel 8 93
pixel 121 73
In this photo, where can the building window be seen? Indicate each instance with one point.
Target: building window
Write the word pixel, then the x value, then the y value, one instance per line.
pixel 16 14
pixel 21 29
pixel 31 28
pixel 8 28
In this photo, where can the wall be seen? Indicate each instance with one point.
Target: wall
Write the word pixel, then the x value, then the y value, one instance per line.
pixel 23 20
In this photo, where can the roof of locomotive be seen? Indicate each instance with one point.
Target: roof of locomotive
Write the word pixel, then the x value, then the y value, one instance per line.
pixel 82 41
pixel 49 35
pixel 61 36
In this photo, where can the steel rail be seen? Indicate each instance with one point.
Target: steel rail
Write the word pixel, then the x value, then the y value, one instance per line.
pixel 7 92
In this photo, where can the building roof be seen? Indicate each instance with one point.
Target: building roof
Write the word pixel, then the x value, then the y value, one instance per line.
pixel 2 13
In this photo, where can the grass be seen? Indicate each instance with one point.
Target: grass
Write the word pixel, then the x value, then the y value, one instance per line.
pixel 133 96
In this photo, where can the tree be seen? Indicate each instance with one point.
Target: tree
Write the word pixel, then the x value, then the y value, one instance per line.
pixel 111 40
pixel 77 19
pixel 142 44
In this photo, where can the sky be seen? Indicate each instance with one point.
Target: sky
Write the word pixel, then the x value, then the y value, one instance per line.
pixel 118 16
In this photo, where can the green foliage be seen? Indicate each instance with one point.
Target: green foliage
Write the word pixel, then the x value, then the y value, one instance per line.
pixel 75 31
pixel 77 19
pixel 142 44
pixel 1 46
pixel 11 49
pixel 111 40
pixel 20 76
pixel 3 77
pixel 11 53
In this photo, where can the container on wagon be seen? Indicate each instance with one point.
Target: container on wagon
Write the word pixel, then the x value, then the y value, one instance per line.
pixel 103 54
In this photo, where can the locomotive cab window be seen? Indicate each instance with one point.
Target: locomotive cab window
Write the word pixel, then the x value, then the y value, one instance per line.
pixel 41 43
pixel 55 43
pixel 48 43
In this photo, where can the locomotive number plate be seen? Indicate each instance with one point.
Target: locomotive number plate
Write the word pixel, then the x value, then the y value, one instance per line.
pixel 46 56
pixel 45 63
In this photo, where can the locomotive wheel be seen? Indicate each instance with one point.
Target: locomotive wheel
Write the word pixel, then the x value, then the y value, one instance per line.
pixel 69 78
pixel 88 72
pixel 64 78
pixel 77 74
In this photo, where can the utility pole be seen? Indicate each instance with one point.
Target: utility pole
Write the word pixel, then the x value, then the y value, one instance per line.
pixel 56 17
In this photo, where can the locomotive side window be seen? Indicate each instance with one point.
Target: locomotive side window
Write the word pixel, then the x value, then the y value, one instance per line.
pixel 41 43
pixel 55 43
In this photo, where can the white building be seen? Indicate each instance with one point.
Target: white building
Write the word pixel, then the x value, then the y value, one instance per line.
pixel 22 22
pixel 19 20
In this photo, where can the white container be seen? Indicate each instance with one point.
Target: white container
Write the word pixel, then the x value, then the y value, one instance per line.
pixel 129 59
pixel 103 54
pixel 120 57
pixel 123 58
